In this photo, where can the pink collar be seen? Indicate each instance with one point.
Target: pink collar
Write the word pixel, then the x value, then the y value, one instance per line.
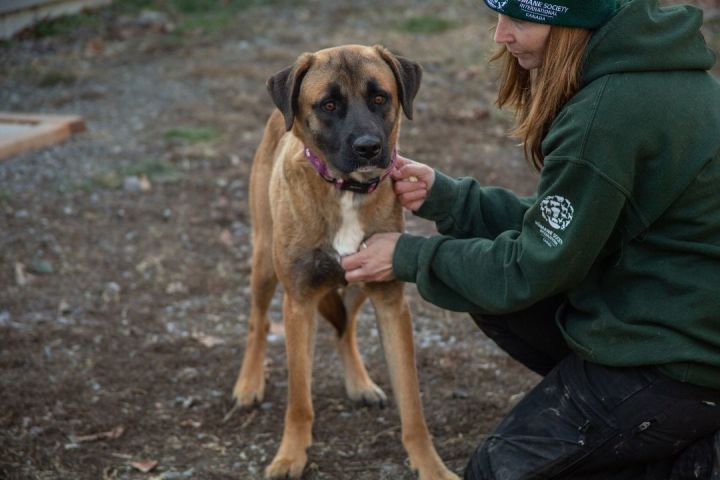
pixel 349 184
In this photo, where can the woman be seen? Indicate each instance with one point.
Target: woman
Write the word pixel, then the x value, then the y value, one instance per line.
pixel 607 281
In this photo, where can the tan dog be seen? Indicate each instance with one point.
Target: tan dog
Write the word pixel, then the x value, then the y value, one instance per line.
pixel 316 191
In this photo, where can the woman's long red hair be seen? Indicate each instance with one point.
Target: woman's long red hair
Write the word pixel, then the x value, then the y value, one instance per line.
pixel 538 95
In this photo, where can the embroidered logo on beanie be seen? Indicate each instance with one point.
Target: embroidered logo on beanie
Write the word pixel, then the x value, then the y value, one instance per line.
pixel 498 4
pixel 568 13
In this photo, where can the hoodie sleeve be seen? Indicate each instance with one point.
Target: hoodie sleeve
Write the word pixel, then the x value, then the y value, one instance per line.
pixel 559 238
pixel 462 208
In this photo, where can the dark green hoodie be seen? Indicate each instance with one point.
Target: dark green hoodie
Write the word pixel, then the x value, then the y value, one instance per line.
pixel 626 217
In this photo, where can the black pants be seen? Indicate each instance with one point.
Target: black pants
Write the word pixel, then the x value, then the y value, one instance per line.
pixel 588 421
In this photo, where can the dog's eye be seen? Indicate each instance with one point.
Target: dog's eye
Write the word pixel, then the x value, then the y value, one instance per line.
pixel 329 106
pixel 379 99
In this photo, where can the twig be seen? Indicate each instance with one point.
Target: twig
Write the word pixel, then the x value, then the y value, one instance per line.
pixel 250 418
pixel 384 432
pixel 229 414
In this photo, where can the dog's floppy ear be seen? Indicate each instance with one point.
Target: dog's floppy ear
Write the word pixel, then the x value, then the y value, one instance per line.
pixel 284 87
pixel 407 75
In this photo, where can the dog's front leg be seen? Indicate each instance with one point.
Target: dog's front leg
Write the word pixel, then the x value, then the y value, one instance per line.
pixel 396 327
pixel 299 318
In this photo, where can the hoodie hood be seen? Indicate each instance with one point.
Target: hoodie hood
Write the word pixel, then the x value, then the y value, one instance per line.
pixel 644 37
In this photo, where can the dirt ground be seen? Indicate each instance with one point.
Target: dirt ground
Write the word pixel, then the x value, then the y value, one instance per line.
pixel 124 252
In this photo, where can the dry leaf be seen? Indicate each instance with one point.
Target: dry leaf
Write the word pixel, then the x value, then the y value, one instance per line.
pixel 109 473
pixel 176 287
pixel 21 276
pixel 144 466
pixel 222 202
pixel 191 423
pixel 226 238
pixel 144 182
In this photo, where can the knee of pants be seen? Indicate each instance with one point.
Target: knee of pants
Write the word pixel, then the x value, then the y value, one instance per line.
pixel 478 468
pixel 491 325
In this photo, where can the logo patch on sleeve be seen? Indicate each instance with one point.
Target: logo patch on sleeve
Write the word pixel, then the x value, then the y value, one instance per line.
pixel 557 211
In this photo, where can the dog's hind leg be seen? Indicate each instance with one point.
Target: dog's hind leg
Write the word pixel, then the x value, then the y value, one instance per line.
pixel 342 313
pixel 250 385
pixel 299 318
pixel 395 324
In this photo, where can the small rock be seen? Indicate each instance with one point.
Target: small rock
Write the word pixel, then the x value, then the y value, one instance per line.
pixel 41 267
pixel 22 214
pixel 132 184
pixel 188 373
pixel 461 394
pixel 176 287
pixel 176 475
pixel 111 293
pixel 64 308
pixel 149 18
pixel 185 402
pixel 389 471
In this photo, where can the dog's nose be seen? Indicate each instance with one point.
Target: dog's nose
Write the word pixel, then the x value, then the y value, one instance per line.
pixel 367 146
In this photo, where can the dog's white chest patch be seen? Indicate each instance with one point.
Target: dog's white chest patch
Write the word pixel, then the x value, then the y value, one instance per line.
pixel 348 237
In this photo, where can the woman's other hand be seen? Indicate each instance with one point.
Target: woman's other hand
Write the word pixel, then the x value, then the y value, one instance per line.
pixel 373 262
pixel 413 181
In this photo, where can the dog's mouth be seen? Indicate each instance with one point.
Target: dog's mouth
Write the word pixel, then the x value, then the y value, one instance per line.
pixel 365 173
pixel 360 169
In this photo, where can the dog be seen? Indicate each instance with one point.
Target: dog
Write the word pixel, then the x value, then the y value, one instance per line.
pixel 318 188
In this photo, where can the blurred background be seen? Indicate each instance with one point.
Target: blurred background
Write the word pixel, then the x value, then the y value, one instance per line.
pixel 124 251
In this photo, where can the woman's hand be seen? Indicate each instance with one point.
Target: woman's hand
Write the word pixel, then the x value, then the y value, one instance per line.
pixel 413 181
pixel 374 262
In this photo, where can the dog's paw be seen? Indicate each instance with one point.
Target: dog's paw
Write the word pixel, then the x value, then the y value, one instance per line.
pixel 447 475
pixel 438 473
pixel 370 396
pixel 286 468
pixel 433 469
pixel 245 400
pixel 249 391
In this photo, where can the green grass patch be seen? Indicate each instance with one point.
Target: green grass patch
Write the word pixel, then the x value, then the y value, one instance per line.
pixel 427 24
pixel 157 171
pixel 132 6
pixel 5 197
pixel 54 78
pixel 194 7
pixel 204 23
pixel 190 16
pixel 210 16
pixel 193 135
pixel 152 169
pixel 66 25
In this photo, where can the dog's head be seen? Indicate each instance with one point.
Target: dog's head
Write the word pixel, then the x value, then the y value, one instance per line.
pixel 345 103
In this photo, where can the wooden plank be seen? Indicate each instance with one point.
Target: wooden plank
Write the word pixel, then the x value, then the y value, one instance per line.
pixel 13 5
pixel 41 131
pixel 18 14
